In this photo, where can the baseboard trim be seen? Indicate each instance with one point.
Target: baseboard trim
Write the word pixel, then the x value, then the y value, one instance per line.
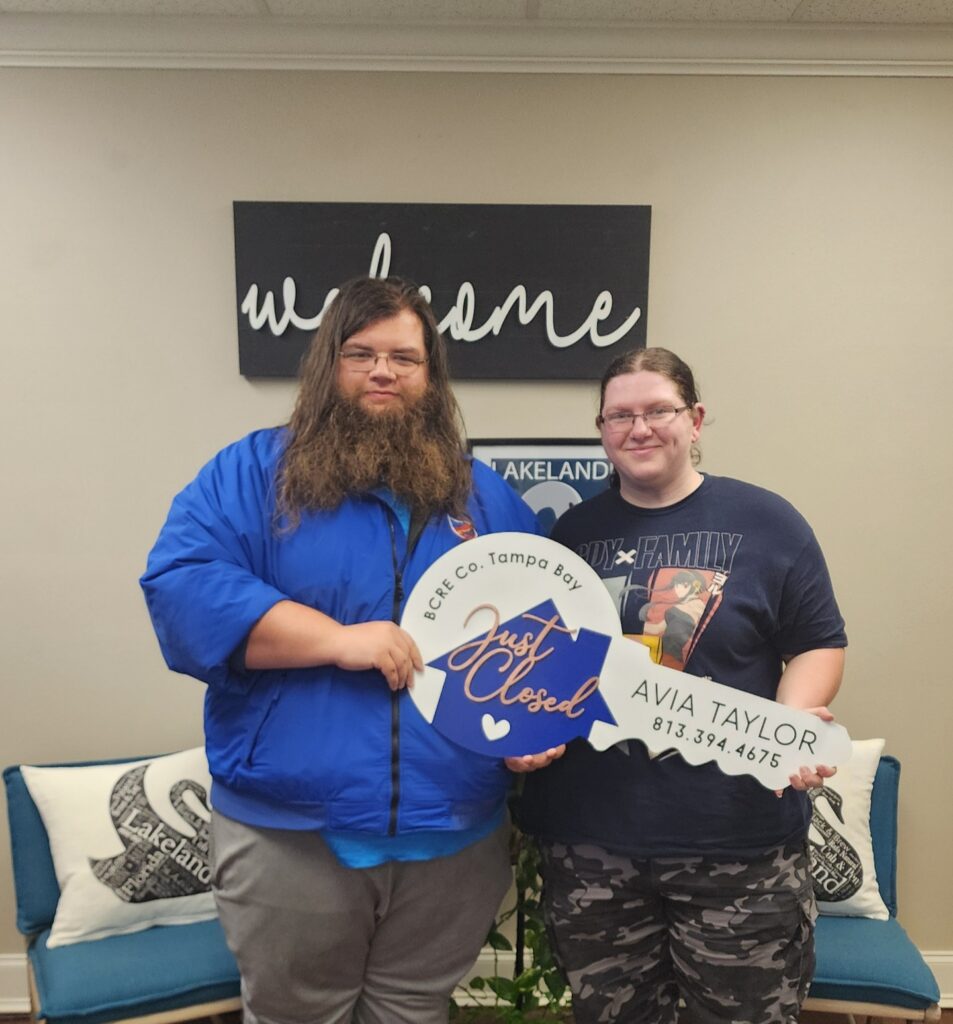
pixel 940 961
pixel 14 997
pixel 14 992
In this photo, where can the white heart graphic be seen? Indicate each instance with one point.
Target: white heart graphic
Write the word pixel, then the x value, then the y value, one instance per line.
pixel 493 729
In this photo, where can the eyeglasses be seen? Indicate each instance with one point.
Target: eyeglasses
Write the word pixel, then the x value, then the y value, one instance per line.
pixel 363 360
pixel 623 422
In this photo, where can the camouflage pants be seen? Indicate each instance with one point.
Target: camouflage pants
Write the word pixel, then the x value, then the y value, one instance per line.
pixel 680 938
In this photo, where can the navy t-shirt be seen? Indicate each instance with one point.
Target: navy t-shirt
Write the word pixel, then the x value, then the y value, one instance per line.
pixel 726 584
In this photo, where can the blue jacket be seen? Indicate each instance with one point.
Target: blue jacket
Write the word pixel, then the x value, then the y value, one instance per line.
pixel 318 747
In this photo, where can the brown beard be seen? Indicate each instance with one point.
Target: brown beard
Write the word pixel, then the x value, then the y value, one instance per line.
pixel 409 450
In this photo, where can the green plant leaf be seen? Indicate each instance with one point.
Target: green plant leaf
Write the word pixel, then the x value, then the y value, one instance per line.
pixel 527 981
pixel 504 988
pixel 555 985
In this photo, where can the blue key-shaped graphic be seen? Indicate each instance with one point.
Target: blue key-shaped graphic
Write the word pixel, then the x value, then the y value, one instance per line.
pixel 523 685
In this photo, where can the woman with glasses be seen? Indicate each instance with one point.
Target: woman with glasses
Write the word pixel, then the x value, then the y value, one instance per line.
pixel 668 885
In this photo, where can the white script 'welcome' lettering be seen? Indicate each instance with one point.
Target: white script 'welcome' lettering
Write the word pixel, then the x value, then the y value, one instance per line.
pixel 458 322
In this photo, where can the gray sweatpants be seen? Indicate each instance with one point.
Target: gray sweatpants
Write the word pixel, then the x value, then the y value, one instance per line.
pixel 319 943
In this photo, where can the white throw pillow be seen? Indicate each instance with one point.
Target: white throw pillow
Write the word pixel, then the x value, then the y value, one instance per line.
pixel 129 842
pixel 842 856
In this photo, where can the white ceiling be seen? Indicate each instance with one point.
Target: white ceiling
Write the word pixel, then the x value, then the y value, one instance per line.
pixel 807 37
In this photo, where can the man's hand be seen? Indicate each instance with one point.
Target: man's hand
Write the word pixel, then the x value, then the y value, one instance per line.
pixel 292 635
pixel 381 645
pixel 532 762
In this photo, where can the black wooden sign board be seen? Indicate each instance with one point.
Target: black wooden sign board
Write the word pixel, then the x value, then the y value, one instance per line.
pixel 521 292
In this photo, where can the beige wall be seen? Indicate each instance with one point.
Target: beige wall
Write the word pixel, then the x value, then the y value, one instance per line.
pixel 801 255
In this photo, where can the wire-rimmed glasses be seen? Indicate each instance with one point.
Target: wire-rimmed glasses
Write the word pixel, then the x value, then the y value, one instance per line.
pixel 620 421
pixel 363 360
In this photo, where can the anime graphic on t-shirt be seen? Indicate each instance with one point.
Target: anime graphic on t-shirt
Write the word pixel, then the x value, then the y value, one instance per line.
pixel 667 603
pixel 679 604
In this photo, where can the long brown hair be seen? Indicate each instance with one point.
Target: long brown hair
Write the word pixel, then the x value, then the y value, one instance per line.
pixel 358 304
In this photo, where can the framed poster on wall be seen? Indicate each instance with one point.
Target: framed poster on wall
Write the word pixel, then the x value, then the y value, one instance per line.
pixel 551 474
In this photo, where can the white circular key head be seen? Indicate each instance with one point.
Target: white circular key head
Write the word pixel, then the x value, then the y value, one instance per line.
pixel 513 629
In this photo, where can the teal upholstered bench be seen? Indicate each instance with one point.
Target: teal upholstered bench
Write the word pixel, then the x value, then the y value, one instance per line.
pixel 871 967
pixel 163 973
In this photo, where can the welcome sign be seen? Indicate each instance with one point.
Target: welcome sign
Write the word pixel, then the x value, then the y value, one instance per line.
pixel 523 650
pixel 521 292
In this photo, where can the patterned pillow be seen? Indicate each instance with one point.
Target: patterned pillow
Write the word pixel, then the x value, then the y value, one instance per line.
pixel 842 856
pixel 129 841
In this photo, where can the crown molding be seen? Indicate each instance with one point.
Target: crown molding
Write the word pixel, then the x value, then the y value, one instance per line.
pixel 258 43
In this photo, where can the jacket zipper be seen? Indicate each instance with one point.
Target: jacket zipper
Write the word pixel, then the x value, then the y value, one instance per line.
pixel 395 694
pixel 417 524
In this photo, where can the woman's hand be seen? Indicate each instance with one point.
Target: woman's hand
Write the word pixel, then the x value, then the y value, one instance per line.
pixel 812 778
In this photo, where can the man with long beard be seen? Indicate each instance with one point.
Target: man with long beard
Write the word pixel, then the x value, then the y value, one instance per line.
pixel 359 857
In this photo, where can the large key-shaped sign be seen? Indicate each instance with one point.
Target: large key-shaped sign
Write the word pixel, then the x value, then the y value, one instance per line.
pixel 523 650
